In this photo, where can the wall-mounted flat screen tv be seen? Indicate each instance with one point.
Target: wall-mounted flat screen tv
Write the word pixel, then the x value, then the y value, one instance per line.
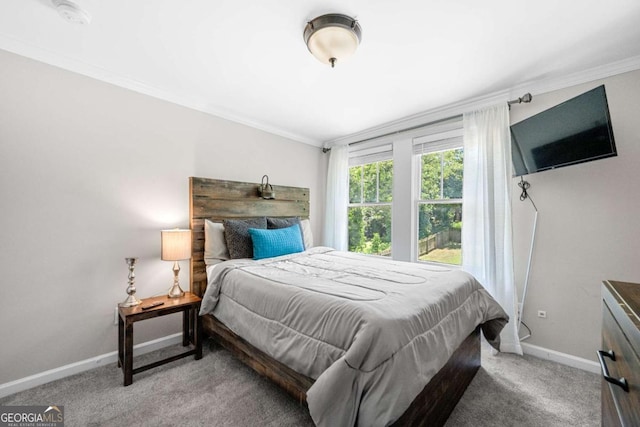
pixel 576 131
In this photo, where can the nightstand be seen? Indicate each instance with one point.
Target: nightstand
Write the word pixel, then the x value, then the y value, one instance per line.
pixel 189 305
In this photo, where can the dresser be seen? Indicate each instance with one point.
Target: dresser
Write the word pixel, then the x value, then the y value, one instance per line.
pixel 620 355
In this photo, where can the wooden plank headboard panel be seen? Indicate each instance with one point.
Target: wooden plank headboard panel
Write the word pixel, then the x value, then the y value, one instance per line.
pixel 216 200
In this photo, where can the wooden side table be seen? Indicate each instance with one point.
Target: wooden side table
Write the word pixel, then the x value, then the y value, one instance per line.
pixel 189 305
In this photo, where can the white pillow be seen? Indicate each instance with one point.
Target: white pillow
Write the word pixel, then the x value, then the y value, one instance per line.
pixel 215 246
pixel 307 235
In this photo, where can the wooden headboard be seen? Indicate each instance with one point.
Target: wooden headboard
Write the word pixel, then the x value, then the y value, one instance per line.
pixel 215 200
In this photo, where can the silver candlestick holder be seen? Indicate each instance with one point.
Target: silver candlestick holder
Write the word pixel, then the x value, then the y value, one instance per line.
pixel 131 300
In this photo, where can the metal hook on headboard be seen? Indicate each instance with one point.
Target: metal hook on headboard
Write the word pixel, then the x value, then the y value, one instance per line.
pixel 266 190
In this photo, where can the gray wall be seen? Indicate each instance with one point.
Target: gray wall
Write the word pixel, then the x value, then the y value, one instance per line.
pixel 89 174
pixel 587 226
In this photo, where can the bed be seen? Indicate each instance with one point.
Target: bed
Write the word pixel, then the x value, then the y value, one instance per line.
pixel 218 200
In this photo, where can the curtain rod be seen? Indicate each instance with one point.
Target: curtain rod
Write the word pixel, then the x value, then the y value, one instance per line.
pixel 526 98
pixel 327 149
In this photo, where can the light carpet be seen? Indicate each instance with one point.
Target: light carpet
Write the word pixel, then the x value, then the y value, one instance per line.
pixel 218 390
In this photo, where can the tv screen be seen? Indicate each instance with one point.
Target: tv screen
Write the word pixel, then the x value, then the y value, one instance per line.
pixel 576 131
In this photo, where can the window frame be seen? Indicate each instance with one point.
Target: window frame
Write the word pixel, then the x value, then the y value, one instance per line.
pixel 362 204
pixel 401 147
pixel 430 144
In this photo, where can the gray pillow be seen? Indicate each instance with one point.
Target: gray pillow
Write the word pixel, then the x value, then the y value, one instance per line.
pixel 236 234
pixel 282 222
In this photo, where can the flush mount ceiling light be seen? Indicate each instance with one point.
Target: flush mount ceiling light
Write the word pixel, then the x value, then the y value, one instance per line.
pixel 71 12
pixel 332 37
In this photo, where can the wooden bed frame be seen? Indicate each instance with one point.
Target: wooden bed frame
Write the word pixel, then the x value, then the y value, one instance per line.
pixel 217 200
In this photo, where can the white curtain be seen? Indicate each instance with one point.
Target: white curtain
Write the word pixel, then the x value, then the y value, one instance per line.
pixel 335 217
pixel 487 247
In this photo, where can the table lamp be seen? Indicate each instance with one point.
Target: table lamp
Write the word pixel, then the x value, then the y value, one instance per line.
pixel 176 246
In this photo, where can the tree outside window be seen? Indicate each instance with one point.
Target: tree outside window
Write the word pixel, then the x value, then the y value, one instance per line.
pixel 440 207
pixel 370 197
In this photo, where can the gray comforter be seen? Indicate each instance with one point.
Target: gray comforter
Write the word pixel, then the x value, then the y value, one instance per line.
pixel 372 332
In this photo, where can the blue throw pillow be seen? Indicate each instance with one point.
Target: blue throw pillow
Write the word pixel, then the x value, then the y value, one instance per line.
pixel 276 242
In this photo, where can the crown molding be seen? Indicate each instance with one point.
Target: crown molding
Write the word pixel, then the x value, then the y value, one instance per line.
pixel 584 76
pixel 538 87
pixel 37 53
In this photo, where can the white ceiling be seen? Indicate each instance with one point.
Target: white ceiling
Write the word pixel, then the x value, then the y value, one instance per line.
pixel 245 60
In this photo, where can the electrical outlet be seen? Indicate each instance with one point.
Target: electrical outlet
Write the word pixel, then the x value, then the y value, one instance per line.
pixel 542 314
pixel 115 317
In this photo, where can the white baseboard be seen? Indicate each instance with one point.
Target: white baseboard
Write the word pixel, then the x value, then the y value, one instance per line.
pixel 22 384
pixel 563 358
pixel 26 383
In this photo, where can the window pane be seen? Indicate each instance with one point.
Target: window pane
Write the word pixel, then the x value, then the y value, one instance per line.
pixel 431 174
pixel 452 174
pixel 355 184
pixel 385 179
pixel 439 233
pixel 442 175
pixel 370 183
pixel 370 230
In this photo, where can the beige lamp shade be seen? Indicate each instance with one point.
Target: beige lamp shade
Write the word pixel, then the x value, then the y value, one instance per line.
pixel 176 245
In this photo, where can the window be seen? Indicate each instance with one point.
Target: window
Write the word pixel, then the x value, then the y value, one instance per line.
pixel 438 180
pixel 370 197
pixel 422 199
pixel 440 207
